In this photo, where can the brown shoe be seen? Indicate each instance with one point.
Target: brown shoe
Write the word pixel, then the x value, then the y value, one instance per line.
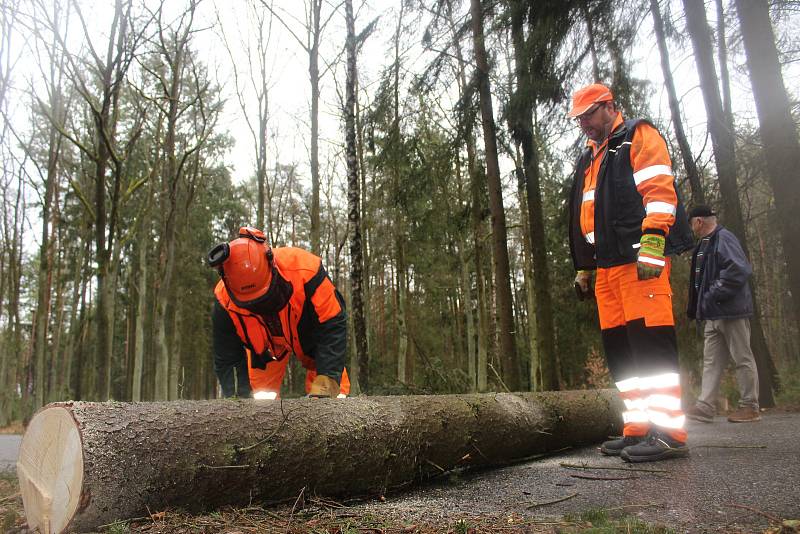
pixel 745 414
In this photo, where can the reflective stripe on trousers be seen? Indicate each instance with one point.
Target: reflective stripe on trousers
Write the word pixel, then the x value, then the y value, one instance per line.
pixel 638 333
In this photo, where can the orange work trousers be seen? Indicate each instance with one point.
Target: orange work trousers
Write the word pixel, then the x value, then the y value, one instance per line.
pixel 271 377
pixel 638 332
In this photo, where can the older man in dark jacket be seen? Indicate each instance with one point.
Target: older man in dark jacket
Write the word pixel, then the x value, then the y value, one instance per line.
pixel 719 295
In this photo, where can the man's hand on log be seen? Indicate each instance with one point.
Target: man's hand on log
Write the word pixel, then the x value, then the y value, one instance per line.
pixel 324 386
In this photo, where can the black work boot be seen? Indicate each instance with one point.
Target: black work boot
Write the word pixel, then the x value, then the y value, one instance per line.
pixel 658 446
pixel 613 447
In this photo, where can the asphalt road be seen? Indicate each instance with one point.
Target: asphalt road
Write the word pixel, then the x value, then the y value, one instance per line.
pixel 728 484
pixel 9 449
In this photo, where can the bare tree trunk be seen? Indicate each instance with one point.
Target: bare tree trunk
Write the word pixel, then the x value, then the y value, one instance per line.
pixel 176 55
pixel 482 301
pixel 523 132
pixel 143 242
pixel 55 361
pixel 721 136
pixel 508 353
pixel 365 220
pixel 590 34
pixel 724 155
pixel 16 370
pixel 180 454
pixel 778 132
pixel 176 370
pixel 313 71
pixel 10 361
pixel 76 321
pixel 400 304
pixel 43 293
pixel 698 194
pixel 354 207
pixel 724 76
pixel 534 368
pixel 478 356
pixel 466 301
pixel 399 223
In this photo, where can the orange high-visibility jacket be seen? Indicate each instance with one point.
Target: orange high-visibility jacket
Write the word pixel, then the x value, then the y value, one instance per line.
pixel 623 188
pixel 313 325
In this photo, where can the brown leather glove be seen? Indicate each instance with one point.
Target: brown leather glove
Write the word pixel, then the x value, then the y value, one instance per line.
pixel 324 386
pixel 583 285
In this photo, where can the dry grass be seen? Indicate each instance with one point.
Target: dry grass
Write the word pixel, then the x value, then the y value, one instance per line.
pixel 14 428
pixel 12 517
pixel 322 519
pixel 311 517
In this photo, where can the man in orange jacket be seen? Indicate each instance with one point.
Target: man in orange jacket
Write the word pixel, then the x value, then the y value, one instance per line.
pixel 625 219
pixel 271 303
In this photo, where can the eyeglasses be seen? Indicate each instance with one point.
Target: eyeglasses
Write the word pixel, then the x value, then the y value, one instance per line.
pixel 587 115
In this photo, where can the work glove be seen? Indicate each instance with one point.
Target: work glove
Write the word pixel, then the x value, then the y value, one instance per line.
pixel 324 386
pixel 651 260
pixel 583 285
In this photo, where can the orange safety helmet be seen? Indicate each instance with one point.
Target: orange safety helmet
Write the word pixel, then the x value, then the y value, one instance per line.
pixel 245 265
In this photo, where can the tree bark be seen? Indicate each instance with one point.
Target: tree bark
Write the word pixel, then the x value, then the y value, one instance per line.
pixel 724 144
pixel 722 55
pixel 522 129
pixel 721 136
pixel 590 35
pixel 314 32
pixel 698 194
pixel 778 132
pixel 478 357
pixel 354 207
pixel 508 352
pixel 45 274
pixel 87 464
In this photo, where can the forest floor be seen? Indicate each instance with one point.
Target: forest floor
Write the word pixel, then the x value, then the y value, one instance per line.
pixel 738 478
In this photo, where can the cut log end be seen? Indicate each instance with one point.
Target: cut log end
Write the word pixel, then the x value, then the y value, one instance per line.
pixel 50 470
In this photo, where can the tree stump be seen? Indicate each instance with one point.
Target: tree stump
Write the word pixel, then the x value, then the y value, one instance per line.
pixel 85 464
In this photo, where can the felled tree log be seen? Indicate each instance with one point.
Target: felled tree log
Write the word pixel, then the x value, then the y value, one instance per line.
pixel 86 464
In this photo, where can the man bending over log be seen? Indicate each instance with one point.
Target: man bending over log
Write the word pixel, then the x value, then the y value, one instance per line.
pixel 269 304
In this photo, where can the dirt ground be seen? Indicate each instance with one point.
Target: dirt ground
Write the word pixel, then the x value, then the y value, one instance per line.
pixel 739 478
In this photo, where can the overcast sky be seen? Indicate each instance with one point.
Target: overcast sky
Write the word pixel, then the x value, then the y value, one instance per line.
pixel 290 89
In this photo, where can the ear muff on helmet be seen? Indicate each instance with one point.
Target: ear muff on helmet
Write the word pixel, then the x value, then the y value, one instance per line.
pixel 218 255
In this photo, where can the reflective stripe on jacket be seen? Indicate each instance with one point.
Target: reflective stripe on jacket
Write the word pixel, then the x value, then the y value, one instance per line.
pixel 313 324
pixel 621 189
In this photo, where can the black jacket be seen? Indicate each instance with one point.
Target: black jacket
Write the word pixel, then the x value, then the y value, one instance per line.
pixel 618 209
pixel 724 291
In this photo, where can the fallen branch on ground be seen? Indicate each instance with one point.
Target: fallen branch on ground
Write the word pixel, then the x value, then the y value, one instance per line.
pixel 536 504
pixel 755 511
pixel 588 477
pixel 587 466
pixel 9 497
